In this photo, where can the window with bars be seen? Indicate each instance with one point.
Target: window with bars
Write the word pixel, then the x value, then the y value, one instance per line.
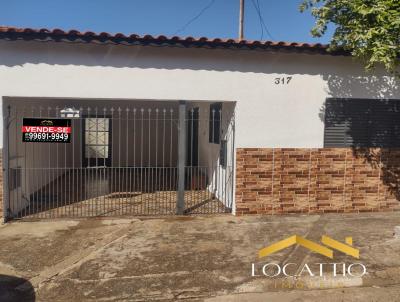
pixel 97 140
pixel 362 123
pixel 215 123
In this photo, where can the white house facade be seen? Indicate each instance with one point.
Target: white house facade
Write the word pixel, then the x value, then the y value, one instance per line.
pixel 283 152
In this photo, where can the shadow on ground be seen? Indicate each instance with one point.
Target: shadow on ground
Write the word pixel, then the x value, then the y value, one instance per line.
pixel 15 289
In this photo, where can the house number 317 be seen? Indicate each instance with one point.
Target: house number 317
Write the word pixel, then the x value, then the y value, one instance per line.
pixel 283 81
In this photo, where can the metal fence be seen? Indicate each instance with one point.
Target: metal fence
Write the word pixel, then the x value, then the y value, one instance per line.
pixel 83 161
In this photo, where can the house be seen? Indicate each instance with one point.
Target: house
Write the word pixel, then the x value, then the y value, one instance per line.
pixel 109 124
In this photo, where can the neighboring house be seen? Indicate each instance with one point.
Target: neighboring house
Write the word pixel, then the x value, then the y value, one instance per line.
pixel 157 125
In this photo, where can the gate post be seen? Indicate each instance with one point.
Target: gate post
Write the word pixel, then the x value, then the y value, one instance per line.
pixel 180 201
pixel 5 163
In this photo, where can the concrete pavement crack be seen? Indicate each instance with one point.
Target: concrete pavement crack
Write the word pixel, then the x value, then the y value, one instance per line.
pixel 73 260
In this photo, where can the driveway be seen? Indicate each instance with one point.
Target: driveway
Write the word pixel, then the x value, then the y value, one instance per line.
pixel 192 258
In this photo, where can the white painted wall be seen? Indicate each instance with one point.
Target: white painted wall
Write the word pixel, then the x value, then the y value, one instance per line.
pixel 221 178
pixel 267 115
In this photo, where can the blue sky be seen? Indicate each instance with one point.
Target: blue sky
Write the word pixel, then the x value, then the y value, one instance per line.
pixel 282 17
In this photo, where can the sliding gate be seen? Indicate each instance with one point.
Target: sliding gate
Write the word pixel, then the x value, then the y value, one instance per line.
pixel 83 161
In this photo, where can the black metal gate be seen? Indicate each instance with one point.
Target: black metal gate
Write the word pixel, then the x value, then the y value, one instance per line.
pixel 130 159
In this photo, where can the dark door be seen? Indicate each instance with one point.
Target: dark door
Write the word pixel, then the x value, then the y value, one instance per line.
pixel 193 138
pixel 97 142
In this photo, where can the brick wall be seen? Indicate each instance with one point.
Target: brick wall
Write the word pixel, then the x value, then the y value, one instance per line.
pixel 278 181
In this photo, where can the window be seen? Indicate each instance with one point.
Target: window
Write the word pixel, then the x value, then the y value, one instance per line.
pixel 362 123
pixel 215 123
pixel 97 141
pixel 96 137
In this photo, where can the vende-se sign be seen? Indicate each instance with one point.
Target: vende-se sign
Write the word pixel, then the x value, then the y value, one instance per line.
pixel 40 130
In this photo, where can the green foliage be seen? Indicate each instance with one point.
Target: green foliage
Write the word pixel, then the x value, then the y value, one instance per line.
pixel 369 29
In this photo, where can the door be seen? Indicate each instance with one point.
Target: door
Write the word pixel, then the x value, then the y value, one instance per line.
pixel 97 137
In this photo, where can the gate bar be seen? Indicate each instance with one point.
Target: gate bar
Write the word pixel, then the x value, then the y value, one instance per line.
pixel 6 158
pixel 180 202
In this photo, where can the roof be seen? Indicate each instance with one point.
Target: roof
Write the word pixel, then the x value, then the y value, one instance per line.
pixel 58 35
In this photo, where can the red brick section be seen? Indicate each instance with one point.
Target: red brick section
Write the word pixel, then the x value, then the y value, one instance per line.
pixel 339 180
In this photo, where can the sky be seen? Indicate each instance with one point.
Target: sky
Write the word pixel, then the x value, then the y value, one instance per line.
pixel 215 18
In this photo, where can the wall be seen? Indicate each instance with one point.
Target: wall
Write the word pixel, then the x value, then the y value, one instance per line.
pixel 271 113
pixel 322 180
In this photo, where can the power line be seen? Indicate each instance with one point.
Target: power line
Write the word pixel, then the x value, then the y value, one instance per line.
pixel 262 23
pixel 195 17
pixel 262 20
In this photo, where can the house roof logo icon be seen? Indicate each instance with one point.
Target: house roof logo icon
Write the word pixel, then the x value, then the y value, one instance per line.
pixel 46 123
pixel 333 244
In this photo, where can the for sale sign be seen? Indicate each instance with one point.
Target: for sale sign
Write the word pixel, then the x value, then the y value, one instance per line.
pixel 42 130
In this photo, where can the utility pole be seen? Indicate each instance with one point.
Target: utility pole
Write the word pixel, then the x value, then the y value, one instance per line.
pixel 241 19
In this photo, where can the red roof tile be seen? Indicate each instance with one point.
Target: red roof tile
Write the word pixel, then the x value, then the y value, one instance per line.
pixel 43 34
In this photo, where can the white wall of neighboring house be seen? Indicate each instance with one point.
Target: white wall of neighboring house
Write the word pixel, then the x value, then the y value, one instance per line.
pixel 276 115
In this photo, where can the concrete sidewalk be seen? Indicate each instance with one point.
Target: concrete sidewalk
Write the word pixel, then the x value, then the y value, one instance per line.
pixel 192 258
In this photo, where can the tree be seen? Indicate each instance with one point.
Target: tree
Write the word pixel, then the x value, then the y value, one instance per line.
pixel 368 29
